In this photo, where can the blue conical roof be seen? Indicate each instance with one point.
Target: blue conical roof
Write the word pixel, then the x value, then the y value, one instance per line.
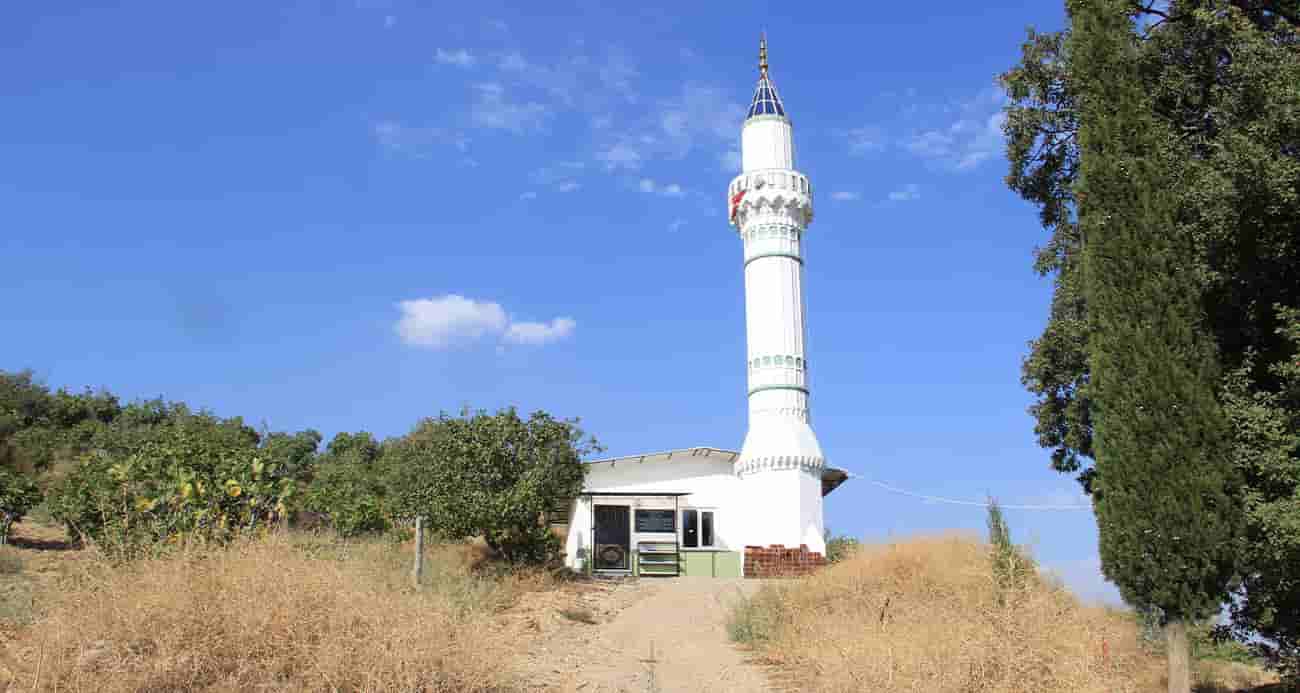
pixel 766 100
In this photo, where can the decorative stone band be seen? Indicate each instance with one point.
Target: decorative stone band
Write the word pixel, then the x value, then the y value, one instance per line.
pixel 806 464
pixel 778 361
pixel 759 232
pixel 800 413
pixel 781 207
pixel 773 178
pixel 763 388
pixel 792 256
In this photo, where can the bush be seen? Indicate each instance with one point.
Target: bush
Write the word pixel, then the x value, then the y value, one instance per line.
pixel 181 483
pixel 349 485
pixel 839 548
pixel 18 495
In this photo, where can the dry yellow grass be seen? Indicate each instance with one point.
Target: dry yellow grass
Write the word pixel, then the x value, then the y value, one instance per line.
pixel 283 613
pixel 925 615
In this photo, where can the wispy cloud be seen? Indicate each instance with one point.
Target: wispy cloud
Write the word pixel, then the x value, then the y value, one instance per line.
pixel 390 21
pixel 493 110
pixel 620 156
pixel 730 161
pixel 416 141
pixel 444 321
pixel 459 58
pixel 961 146
pixel 908 192
pixel 865 139
pixel 845 196
pixel 648 185
pixel 676 225
pixel 540 332
pixel 528 195
pixel 568 186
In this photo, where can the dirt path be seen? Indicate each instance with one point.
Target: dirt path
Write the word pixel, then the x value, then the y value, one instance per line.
pixel 666 636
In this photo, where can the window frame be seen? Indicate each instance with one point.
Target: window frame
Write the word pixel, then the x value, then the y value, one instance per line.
pixel 699 513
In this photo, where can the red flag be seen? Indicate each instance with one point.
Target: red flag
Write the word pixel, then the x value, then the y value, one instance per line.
pixel 735 203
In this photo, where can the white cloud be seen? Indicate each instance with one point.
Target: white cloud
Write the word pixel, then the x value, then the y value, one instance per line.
pixel 459 58
pixel 540 332
pixel 647 185
pixel 845 196
pixel 620 156
pixel 440 322
pixel 443 321
pixel 911 191
pixel 568 186
pixel 492 110
pixel 673 190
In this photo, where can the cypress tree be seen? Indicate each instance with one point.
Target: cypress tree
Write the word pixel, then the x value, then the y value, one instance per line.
pixel 1166 495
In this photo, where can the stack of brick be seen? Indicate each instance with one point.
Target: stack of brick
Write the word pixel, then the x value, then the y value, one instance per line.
pixel 779 561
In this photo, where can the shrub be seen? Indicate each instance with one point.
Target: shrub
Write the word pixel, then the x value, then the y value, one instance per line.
pixel 180 484
pixel 18 495
pixel 839 548
pixel 349 487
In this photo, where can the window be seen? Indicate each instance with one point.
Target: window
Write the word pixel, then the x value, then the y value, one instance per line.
pixel 655 521
pixel 697 528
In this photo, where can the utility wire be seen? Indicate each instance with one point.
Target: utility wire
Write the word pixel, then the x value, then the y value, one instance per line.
pixel 954 501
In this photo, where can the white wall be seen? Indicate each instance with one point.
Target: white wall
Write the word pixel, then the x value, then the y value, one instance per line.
pixel 709 480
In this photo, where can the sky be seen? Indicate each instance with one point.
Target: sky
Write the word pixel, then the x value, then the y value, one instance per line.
pixel 351 215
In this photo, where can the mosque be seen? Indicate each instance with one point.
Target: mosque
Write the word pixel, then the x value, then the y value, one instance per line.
pixel 706 511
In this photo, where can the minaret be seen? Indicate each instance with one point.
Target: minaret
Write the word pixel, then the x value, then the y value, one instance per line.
pixel 781 462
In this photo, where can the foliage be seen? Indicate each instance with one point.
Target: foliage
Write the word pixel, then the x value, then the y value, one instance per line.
pixel 1222 79
pixel 1011 567
pixel 348 486
pixel 490 475
pixel 195 477
pixel 839 547
pixel 18 494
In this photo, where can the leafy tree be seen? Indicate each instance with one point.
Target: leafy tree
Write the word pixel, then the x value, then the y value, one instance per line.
pixel 294 453
pixel 490 475
pixel 193 476
pixel 839 547
pixel 1012 568
pixel 18 494
pixel 1223 81
pixel 1167 499
pixel 349 485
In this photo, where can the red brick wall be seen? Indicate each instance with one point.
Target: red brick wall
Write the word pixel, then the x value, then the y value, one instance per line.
pixel 778 561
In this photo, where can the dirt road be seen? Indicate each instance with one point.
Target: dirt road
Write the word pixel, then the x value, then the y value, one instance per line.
pixel 663 635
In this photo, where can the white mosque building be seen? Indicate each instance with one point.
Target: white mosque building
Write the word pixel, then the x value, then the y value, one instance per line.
pixel 694 511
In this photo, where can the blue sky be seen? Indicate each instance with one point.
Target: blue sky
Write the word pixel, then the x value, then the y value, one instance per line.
pixel 350 215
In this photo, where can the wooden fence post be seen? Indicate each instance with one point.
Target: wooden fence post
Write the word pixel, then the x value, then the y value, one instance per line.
pixel 418 569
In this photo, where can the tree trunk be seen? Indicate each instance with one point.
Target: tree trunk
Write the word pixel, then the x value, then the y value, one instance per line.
pixel 418 569
pixel 1176 649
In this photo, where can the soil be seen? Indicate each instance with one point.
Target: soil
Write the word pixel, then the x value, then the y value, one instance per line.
pixel 663 635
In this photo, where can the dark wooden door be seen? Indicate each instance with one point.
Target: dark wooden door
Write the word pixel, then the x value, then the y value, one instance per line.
pixel 613 537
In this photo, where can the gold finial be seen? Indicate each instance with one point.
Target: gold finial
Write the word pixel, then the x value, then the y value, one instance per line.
pixel 762 54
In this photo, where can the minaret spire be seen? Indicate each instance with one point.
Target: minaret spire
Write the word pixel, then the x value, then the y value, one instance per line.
pixel 762 55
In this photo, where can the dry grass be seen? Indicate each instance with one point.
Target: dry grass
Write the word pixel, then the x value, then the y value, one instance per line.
pixel 925 615
pixel 284 613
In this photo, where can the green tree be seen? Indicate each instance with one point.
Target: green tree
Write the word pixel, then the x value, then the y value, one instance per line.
pixel 1223 79
pixel 18 495
pixel 348 486
pixel 1167 499
pixel 491 476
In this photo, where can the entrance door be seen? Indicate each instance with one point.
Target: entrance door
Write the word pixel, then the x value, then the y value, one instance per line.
pixel 613 537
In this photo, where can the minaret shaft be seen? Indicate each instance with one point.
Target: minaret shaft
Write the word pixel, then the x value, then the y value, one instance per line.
pixel 771 203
